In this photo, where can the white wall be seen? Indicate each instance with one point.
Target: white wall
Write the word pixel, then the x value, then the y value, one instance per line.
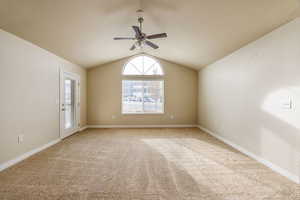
pixel 241 97
pixel 29 94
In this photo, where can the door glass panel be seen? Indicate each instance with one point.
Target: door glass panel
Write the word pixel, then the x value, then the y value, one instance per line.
pixel 69 103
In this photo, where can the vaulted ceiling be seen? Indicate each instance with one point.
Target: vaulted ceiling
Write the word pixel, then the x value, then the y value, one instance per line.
pixel 200 31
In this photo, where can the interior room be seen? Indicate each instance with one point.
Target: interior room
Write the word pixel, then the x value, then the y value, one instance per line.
pixel 150 99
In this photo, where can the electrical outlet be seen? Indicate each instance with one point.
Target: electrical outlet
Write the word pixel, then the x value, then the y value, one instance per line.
pixel 172 117
pixel 20 139
pixel 113 117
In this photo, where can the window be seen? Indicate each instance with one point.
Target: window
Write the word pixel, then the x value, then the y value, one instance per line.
pixel 142 65
pixel 142 87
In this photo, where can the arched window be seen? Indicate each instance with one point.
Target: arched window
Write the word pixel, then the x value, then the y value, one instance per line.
pixel 142 65
pixel 142 86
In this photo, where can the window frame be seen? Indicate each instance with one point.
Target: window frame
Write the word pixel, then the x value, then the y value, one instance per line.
pixel 143 78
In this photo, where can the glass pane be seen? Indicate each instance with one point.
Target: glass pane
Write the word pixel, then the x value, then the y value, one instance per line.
pixel 148 63
pixel 143 65
pixel 131 70
pixel 132 96
pixel 138 64
pixel 69 103
pixel 143 96
pixel 153 96
pixel 154 69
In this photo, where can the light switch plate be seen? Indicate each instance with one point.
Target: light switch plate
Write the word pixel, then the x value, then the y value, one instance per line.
pixel 287 104
pixel 20 139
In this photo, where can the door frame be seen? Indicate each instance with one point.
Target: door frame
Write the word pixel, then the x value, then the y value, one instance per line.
pixel 75 77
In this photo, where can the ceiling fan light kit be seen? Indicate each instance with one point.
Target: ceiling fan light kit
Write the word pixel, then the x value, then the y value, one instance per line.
pixel 141 38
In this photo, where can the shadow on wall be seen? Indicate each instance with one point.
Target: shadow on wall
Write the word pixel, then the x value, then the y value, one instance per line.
pixel 280 119
pixel 277 131
pixel 253 111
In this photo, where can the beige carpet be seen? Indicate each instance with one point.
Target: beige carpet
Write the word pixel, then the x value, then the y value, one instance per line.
pixel 148 164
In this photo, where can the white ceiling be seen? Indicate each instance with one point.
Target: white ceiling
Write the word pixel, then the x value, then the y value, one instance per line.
pixel 200 31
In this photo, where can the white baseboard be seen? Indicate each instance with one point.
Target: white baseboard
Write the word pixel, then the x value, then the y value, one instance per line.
pixel 83 128
pixel 265 162
pixel 143 126
pixel 26 155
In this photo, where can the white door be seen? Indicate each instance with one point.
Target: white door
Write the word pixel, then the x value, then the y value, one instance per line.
pixel 70 105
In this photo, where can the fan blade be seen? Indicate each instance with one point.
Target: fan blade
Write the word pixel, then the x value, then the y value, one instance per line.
pixel 137 31
pixel 133 47
pixel 160 35
pixel 124 38
pixel 154 46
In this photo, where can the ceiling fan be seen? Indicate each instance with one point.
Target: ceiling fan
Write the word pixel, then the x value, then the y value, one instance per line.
pixel 140 37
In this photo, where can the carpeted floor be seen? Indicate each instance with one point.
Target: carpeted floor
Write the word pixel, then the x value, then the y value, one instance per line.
pixel 143 164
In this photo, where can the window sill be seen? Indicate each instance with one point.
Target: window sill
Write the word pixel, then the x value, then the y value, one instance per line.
pixel 161 113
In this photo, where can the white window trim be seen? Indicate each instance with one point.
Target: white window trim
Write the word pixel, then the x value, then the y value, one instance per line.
pixel 143 78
